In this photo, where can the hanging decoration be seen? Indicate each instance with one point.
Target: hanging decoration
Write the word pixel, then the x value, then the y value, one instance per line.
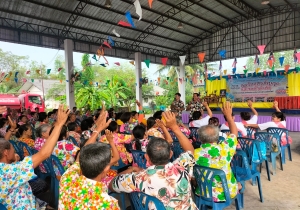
pixel 295 56
pixel 32 80
pixel 180 80
pixel 150 3
pixel 129 19
pixel 147 62
pixel 225 72
pixel 123 23
pixel 115 33
pixel 164 61
pixel 234 66
pixel 222 53
pixel 261 48
pixel 286 68
pixel 201 56
pixel 271 60
pixel 220 66
pixel 59 69
pixel 28 72
pixel 117 63
pixel 245 67
pixel 205 70
pixel 257 70
pixel 7 79
pixel 94 57
pixel 10 73
pixel 112 42
pixel 256 63
pixel 132 63
pixel 245 71
pixel 265 73
pixel 48 71
pixel 281 60
pixel 24 80
pixel 106 44
pixel 38 71
pixel 138 8
pixel 16 74
pixel 102 64
pixel 182 59
pixel 298 57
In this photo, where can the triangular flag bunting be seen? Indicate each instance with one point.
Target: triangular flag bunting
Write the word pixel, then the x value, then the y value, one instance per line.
pixel 102 64
pixel 138 8
pixel 129 19
pixel 10 73
pixel 24 80
pixel 201 56
pixel 7 79
pixel 32 80
pixel 59 69
pixel 182 59
pixel 225 71
pixel 115 33
pixel 38 71
pixel 16 79
pixel 117 63
pixel 270 62
pixel 286 68
pixel 261 48
pixel 106 44
pixel 298 57
pixel 150 3
pixel 48 71
pixel 123 23
pixel 16 74
pixel 112 42
pixel 147 62
pixel 132 63
pixel 265 73
pixel 245 71
pixel 257 70
pixel 222 53
pixel 281 60
pixel 27 72
pixel 273 68
pixel 164 61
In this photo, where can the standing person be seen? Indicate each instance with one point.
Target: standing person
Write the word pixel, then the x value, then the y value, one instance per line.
pixel 177 104
pixel 195 105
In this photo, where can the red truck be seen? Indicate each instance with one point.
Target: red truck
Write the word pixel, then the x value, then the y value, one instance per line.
pixel 23 101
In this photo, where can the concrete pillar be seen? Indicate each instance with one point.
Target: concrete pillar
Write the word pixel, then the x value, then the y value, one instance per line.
pixel 138 74
pixel 181 85
pixel 69 46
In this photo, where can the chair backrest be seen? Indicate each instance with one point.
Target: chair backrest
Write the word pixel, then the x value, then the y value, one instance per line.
pixel 18 149
pixel 221 139
pixel 204 177
pixel 139 158
pixel 280 132
pixel 177 150
pixel 194 134
pixel 120 165
pixel 254 149
pixel 23 146
pixel 228 131
pixel 251 131
pixel 73 140
pixel 57 163
pixel 269 139
pixel 141 201
pixel 240 166
pixel 2 207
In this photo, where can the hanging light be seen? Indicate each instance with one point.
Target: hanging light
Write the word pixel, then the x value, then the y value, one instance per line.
pixel 265 2
pixel 180 26
pixel 107 4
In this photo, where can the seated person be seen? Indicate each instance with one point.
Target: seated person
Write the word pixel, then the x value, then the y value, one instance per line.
pixel 246 116
pixel 73 131
pixel 87 173
pixel 278 120
pixel 128 121
pixel 186 131
pixel 15 191
pixel 42 119
pixel 3 126
pixel 152 128
pixel 156 179
pixel 135 116
pixel 198 121
pixel 24 134
pixel 23 120
pixel 240 126
pixel 214 155
pixel 158 115
pixel 215 121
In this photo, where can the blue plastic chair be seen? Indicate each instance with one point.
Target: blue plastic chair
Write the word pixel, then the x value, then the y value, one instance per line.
pixel 73 140
pixel 204 177
pixel 23 146
pixel 141 201
pixel 177 149
pixel 268 138
pixel 17 148
pixel 221 139
pixel 2 207
pixel 194 134
pixel 251 131
pixel 228 131
pixel 280 132
pixel 139 158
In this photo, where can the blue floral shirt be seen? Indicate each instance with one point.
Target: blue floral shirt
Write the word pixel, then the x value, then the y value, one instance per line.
pixel 15 191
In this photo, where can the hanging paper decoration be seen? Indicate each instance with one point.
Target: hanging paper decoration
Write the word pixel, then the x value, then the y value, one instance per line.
pixel 150 3
pixel 100 52
pixel 273 68
pixel 286 68
pixel 59 69
pixel 245 71
pixel 225 71
pixel 10 73
pixel 138 8
pixel 38 71
pixel 271 60
pixel 295 57
pixel 222 53
pixel 95 58
pixel 67 80
pixel 261 48
pixel 112 42
pixel 281 60
pixel 256 61
pixel 2 74
pixel 234 66
pixel 117 63
pixel 123 23
pixel 24 80
pixel 60 81
pixel 220 66
pixel 265 73
pixel 102 64
pixel 132 63
pixel 298 57
pixel 7 79
pixel 48 71
pixel 147 62
pixel 244 67
pixel 257 70
pixel 106 44
pixel 229 76
pixel 182 59
pixel 168 78
pixel 27 72
pixel 32 80
pixel 16 74
pixel 115 33
pixel 164 61
pixel 180 80
pixel 201 56
pixel 129 19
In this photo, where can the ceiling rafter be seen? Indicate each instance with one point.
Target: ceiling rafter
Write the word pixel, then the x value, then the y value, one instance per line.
pixel 245 7
pixel 235 10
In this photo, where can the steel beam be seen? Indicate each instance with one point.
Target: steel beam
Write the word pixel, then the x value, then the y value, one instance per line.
pixel 245 7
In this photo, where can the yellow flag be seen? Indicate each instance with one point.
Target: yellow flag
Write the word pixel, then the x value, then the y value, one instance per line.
pixel 225 71
pixel 60 81
pixel 257 70
pixel 7 79
pixel 132 62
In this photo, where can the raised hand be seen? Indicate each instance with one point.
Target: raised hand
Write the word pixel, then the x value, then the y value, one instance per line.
pixel 170 120
pixel 249 103
pixel 12 123
pixel 275 104
pixel 205 104
pixel 62 114
pixel 227 109
pixel 101 121
pixel 109 136
pixel 160 123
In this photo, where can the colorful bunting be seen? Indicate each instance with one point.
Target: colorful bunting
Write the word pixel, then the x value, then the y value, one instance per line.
pixel 298 57
pixel 257 70
pixel 7 79
pixel 106 44
pixel 281 60
pixel 102 64
pixel 261 48
pixel 38 71
pixel 24 80
pixel 16 74
pixel 182 59
pixel 150 3
pixel 270 62
pixel 16 79
pixel 147 62
pixel 138 8
pixel 27 72
pixel 129 19
pixel 59 69
pixel 100 52
pixel 132 63
pixel 244 67
pixel 265 73
pixel 256 61
pixel 201 56
pixel 220 66
pixel 32 80
pixel 48 71
pixel 286 68
pixel 115 33
pixel 225 71
pixel 94 57
pixel 123 23
pixel 245 71
pixel 222 53
pixel 117 63
pixel 10 73
pixel 164 61
pixel 112 42
pixel 295 56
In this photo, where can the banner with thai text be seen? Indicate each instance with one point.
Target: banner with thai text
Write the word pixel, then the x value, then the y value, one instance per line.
pixel 256 89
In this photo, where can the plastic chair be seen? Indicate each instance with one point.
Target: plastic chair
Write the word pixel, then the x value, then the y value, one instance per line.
pixel 228 131
pixel 17 148
pixel 23 146
pixel 251 131
pixel 221 139
pixel 71 138
pixel 194 134
pixel 177 150
pixel 2 207
pixel 280 132
pixel 141 201
pixel 204 177
pixel 247 145
pixel 241 169
pixel 139 158
pixel 268 139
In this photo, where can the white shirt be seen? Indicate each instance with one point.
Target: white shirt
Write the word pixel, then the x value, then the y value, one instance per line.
pixel 200 123
pixel 222 134
pixel 266 125
pixel 253 120
pixel 240 126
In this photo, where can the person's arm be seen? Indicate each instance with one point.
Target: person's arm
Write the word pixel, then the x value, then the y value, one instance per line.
pixel 131 170
pixel 13 126
pixel 183 140
pixel 166 133
pixel 209 112
pixel 276 106
pixel 252 108
pixel 49 145
pixel 252 125
pixel 141 114
pixel 227 111
pixel 115 153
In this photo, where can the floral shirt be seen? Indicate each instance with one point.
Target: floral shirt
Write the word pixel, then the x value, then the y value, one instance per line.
pixel 195 106
pixel 2 131
pixel 154 132
pixel 78 192
pixel 178 105
pixel 169 183
pixel 66 152
pixel 29 142
pixel 15 191
pixel 120 140
pixel 219 156
pixel 128 127
pixel 76 136
pixel 38 144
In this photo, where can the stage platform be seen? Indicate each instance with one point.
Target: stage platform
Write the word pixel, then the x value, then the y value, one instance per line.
pixel 292 120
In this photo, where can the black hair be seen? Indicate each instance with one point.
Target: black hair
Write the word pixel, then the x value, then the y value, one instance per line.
pixel 245 116
pixel 118 115
pixel 63 133
pixel 279 115
pixel 150 122
pixel 138 132
pixel 198 94
pixel 214 121
pixel 133 113
pixel 125 117
pixel 20 118
pixel 72 126
pixel 196 115
pixel 21 130
pixel 113 126
pixel 42 116
pixel 86 124
pixel 96 116
pixel 93 159
pixel 158 115
pixel 49 114
pixel 54 111
pixel 226 118
pixel 178 94
pixel 2 122
pixel 158 150
pixel 32 113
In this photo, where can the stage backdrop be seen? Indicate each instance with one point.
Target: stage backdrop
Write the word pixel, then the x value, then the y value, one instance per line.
pixel 257 89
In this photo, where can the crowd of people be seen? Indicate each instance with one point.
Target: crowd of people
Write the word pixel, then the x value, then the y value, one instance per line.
pixel 102 139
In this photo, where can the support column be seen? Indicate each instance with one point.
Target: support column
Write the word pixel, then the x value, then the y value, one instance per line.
pixel 69 46
pixel 138 74
pixel 181 85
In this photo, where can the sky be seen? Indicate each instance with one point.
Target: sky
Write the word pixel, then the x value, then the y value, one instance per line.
pixel 47 56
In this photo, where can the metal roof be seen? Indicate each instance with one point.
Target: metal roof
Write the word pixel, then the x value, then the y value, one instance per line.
pixel 236 26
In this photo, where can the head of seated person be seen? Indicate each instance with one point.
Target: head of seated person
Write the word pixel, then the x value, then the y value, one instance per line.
pixel 126 117
pixel 197 115
pixel 7 152
pixel 214 121
pixel 24 131
pixel 139 133
pixel 63 133
pixel 226 118
pixel 94 160
pixel 151 123
pixel 245 116
pixel 158 115
pixel 278 116
pixel 208 134
pixel 158 152
pixel 87 124
pixel 113 127
pixel 43 131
